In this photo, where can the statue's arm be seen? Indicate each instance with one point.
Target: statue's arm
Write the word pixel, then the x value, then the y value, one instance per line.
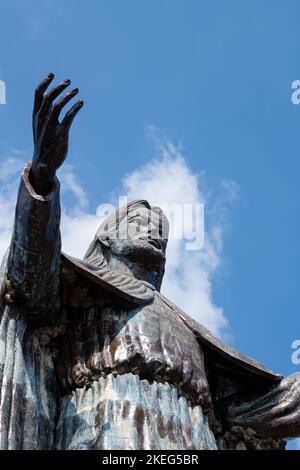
pixel 274 412
pixel 34 258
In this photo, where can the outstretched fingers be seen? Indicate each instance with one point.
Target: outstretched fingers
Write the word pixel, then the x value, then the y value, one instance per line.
pixel 52 95
pixel 61 103
pixel 70 115
pixel 45 102
pixel 40 90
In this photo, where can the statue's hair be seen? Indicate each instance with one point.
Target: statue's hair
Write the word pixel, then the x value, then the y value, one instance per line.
pixel 95 257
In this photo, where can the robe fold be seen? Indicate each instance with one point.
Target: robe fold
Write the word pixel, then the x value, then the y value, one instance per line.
pixel 95 359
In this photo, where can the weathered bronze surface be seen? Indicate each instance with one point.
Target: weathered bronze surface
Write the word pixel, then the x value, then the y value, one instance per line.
pixel 93 356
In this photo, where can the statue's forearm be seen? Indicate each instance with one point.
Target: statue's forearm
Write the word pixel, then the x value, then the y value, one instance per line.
pixel 34 260
pixel 273 413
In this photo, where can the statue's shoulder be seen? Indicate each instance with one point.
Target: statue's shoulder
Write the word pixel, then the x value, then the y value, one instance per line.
pixel 117 286
pixel 113 284
pixel 224 357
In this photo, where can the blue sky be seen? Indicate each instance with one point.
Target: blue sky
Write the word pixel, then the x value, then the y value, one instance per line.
pixel 215 78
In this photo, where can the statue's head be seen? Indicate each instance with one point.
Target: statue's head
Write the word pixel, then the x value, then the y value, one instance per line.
pixel 135 234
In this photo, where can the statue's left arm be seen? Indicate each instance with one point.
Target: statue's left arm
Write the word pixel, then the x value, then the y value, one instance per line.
pixel 273 412
pixel 34 259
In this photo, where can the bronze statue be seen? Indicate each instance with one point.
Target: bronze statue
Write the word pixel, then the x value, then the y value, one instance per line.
pixel 93 356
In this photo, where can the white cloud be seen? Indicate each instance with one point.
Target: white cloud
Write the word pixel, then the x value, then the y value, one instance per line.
pixel 166 179
pixel 70 184
pixel 10 167
pixel 78 226
pixel 78 229
pixel 189 274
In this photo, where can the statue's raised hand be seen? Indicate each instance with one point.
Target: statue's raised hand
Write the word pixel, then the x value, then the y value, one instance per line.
pixel 50 136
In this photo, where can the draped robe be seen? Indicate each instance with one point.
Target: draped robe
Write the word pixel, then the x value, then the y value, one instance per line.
pixel 101 360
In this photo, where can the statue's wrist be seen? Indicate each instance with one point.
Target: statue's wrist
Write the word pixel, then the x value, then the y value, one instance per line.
pixel 41 178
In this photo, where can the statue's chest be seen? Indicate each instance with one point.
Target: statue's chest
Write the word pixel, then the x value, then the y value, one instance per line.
pixel 150 341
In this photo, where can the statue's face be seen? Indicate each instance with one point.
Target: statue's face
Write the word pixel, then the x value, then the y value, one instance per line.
pixel 140 236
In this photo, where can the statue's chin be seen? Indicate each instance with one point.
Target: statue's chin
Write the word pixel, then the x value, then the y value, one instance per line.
pixel 140 251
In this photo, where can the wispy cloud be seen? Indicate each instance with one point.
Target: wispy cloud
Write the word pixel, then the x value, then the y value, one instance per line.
pixel 166 179
pixel 70 184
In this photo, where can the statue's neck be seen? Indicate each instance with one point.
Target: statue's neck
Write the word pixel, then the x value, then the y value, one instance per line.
pixel 139 271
